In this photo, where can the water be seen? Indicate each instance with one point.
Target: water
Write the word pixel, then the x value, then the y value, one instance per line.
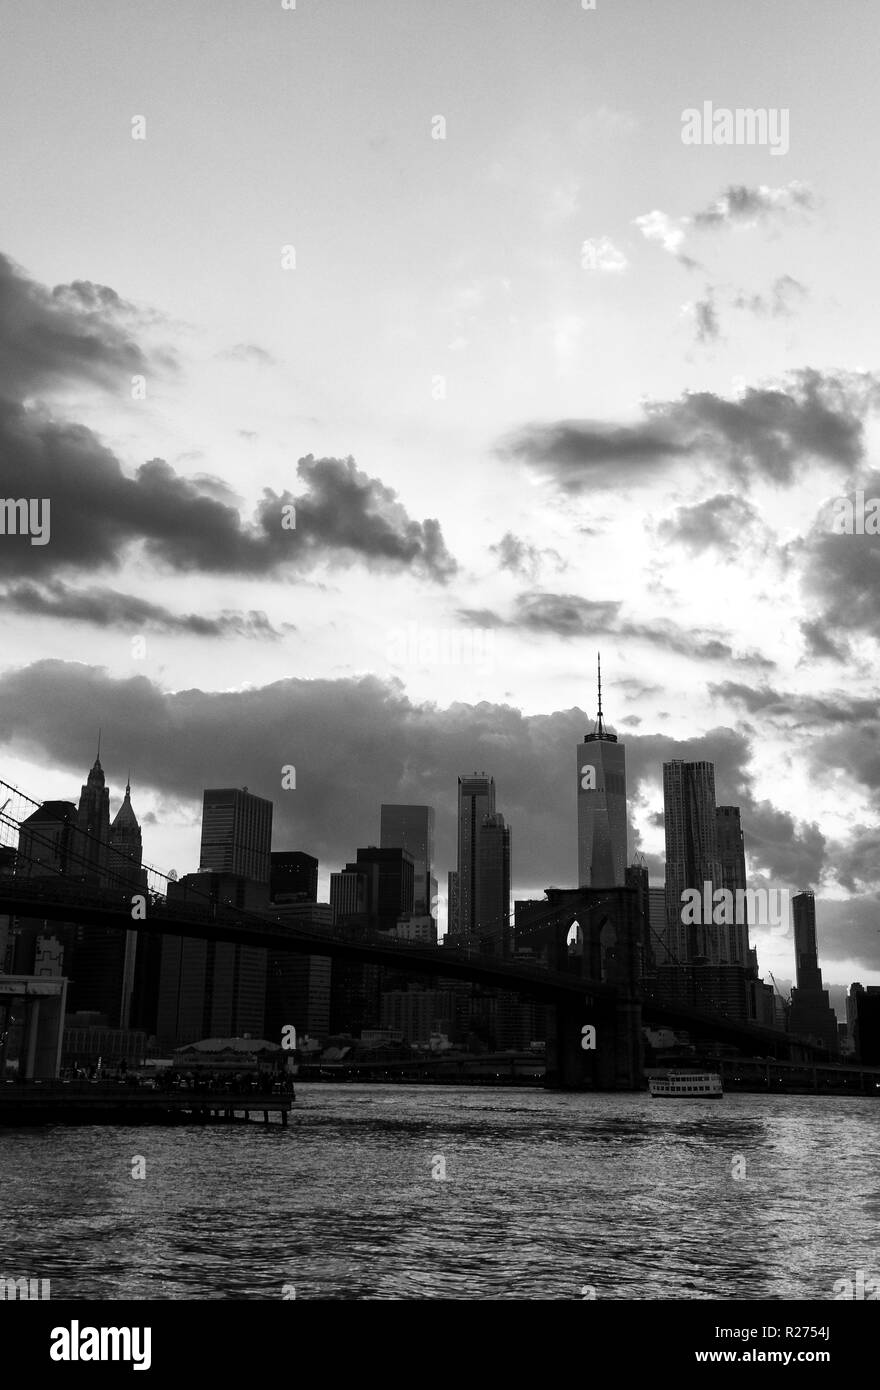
pixel 545 1195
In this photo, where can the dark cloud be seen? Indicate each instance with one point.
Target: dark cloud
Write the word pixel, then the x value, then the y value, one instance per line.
pixel 841 573
pixel 572 616
pixel 523 559
pixel 97 512
pixel 346 511
pixel 579 453
pixel 857 862
pixel 847 931
pixel 85 332
pixel 78 332
pixel 565 615
pixel 480 617
pixel 721 522
pixel 785 850
pixel 706 320
pixel 765 432
pixel 808 711
pixel 744 206
pixel 819 643
pixel 105 608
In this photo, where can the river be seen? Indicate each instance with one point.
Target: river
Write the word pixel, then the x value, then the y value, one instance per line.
pixel 545 1196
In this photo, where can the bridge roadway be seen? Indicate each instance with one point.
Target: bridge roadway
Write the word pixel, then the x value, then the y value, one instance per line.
pixel 69 901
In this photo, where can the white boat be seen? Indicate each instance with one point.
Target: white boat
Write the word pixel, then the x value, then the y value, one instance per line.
pixel 689 1084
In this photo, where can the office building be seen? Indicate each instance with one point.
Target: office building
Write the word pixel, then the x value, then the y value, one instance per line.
pixel 47 841
pixel 476 801
pixel 692 861
pixel 293 877
pixel 297 986
pixel 236 834
pixel 734 937
pixel 348 894
pixel 492 887
pixel 412 828
pixel 713 989
pixel 93 825
pixel 659 927
pixel 210 989
pixel 811 1014
pixel 390 880
pixel 47 848
pixel 601 806
pixel 863 1023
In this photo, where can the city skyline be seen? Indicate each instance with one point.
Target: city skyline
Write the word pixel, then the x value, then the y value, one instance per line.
pixel 247 823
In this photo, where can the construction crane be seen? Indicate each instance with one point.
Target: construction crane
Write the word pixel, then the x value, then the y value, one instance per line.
pixel 776 987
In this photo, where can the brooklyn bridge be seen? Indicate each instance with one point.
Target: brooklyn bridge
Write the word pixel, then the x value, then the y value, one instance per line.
pixel 586 953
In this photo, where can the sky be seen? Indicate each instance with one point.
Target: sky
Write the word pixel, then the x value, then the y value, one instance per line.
pixel 537 378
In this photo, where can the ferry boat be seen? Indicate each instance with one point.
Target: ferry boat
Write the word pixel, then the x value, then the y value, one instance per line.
pixel 690 1084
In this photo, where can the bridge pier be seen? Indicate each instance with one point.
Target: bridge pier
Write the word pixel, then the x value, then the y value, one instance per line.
pixel 616 1062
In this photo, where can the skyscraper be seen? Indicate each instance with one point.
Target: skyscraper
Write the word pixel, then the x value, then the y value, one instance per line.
pixel 811 1013
pixel 236 834
pixel 492 919
pixel 102 964
pixel 125 871
pixel 732 857
pixel 806 947
pixel 601 807
pixel 93 823
pixel 691 857
pixel 294 877
pixel 412 828
pixel 390 875
pixel 476 801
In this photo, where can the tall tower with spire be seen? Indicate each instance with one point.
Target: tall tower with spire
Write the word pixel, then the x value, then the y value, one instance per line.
pixel 126 845
pixel 93 822
pixel 601 803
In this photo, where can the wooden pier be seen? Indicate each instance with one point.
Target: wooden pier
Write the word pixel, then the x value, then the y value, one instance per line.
pixel 112 1103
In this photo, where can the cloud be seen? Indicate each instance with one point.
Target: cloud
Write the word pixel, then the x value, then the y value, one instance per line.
pixel 737 206
pixel 807 711
pixel 721 522
pixel 820 644
pixel 578 453
pixel 600 253
pixel 785 295
pixel 706 320
pixel 249 353
pixel 566 615
pixel 841 574
pixel 765 432
pixel 79 332
pixel 523 559
pixel 97 512
pixel 84 332
pixel 107 608
pixel 740 205
pixel 667 231
pixel 572 616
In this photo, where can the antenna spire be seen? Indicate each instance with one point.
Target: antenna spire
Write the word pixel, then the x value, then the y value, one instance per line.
pixel 600 728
